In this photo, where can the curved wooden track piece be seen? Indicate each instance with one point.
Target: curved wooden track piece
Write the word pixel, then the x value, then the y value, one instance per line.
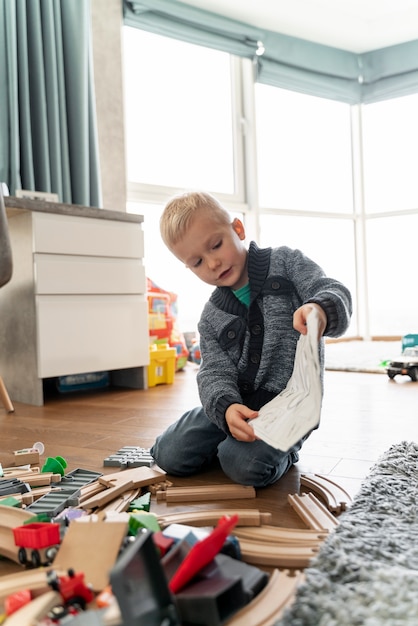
pixel 336 497
pixel 10 517
pixel 281 535
pixel 275 555
pixel 35 579
pixel 269 604
pixel 8 547
pixel 246 517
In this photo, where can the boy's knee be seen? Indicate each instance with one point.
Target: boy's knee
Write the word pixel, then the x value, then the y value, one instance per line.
pixel 254 470
pixel 167 461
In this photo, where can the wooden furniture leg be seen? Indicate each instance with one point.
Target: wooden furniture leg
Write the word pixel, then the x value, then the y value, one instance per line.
pixel 4 396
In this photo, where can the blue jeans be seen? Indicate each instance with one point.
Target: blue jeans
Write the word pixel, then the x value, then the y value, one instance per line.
pixel 193 442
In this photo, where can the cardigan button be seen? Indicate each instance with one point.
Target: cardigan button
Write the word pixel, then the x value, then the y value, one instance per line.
pixel 275 284
pixel 231 334
pixel 256 329
pixel 255 358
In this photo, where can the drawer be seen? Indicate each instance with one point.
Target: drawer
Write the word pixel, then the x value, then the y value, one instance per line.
pixel 79 334
pixel 64 274
pixel 70 234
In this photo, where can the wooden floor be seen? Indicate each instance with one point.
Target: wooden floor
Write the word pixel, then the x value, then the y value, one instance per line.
pixel 362 416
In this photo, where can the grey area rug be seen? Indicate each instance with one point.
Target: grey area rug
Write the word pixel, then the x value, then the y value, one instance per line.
pixel 366 572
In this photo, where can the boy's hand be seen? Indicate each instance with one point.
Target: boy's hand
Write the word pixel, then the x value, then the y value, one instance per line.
pixel 301 314
pixel 236 417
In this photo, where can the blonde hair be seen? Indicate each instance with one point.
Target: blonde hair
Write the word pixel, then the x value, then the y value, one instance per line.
pixel 181 210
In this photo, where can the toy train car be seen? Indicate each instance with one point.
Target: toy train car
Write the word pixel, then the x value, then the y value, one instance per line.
pixel 72 588
pixel 40 540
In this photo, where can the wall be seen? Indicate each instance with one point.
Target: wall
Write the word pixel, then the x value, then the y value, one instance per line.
pixel 107 21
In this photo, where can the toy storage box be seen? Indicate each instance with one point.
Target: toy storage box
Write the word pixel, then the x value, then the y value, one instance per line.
pixel 162 364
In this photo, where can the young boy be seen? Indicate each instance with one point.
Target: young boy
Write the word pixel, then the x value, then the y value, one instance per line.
pixel 248 334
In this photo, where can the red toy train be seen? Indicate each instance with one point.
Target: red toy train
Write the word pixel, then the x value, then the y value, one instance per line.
pixel 38 542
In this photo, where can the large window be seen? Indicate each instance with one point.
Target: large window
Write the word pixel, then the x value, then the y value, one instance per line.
pixel 304 151
pixel 305 171
pixel 329 242
pixel 390 132
pixel 390 149
pixel 336 181
pixel 391 254
pixel 178 114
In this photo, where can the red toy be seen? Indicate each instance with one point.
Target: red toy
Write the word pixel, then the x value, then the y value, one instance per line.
pixel 16 601
pixel 162 321
pixel 42 540
pixel 202 553
pixel 72 588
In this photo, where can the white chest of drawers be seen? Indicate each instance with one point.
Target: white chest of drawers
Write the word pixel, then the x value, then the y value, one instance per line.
pixel 76 302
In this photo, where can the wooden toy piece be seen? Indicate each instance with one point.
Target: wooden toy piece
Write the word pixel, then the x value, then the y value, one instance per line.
pixel 106 496
pixel 30 614
pixel 281 535
pixel 121 503
pixel 336 498
pixel 138 476
pixel 268 606
pixel 92 548
pixel 33 579
pixel 19 472
pixel 279 547
pixel 246 517
pixel 88 491
pixel 10 517
pixel 26 457
pixel 312 512
pixel 41 479
pixel 206 493
pixel 162 486
pixel 276 555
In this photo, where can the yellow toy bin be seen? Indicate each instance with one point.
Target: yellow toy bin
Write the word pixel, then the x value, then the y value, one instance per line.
pixel 162 364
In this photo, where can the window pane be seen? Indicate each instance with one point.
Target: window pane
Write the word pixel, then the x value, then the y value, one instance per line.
pixel 304 151
pixel 390 138
pixel 178 113
pixel 392 259
pixel 328 242
pixel 169 274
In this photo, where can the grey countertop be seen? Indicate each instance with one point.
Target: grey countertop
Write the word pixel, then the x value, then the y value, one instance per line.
pixel 12 203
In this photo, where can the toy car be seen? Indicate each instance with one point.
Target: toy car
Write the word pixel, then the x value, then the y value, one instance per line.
pixel 406 364
pixel 40 539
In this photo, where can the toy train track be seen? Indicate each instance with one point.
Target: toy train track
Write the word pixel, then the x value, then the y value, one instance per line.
pixel 268 606
pixel 11 517
pixel 336 498
pixel 247 517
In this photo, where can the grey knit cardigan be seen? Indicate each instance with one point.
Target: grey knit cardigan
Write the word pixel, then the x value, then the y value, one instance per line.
pixel 248 353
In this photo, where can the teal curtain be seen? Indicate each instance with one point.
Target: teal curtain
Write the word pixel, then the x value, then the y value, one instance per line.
pixel 48 132
pixel 288 62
